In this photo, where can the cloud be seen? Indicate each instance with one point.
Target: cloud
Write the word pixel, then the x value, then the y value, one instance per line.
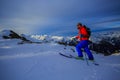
pixel 29 16
pixel 109 21
pixel 26 25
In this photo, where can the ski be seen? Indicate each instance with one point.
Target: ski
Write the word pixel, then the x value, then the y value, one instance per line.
pixel 71 56
pixel 67 56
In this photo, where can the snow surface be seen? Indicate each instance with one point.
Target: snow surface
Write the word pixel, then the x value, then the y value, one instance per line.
pixel 42 62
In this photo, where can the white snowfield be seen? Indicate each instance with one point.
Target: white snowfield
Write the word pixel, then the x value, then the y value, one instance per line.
pixel 42 62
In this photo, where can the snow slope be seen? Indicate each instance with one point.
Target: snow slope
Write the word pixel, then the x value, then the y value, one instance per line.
pixel 42 62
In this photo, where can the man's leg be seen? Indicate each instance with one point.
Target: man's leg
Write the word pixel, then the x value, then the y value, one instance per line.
pixel 90 56
pixel 78 48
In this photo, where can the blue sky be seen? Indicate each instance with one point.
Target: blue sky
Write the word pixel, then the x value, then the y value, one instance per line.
pixel 58 17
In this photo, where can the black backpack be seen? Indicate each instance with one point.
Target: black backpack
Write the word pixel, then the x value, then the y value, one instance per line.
pixel 88 31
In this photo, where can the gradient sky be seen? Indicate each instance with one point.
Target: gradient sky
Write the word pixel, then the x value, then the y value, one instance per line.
pixel 58 17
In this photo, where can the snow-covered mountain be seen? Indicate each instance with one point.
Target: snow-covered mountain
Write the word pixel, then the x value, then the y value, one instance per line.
pixel 47 38
pixel 7 34
pixel 98 36
pixel 106 42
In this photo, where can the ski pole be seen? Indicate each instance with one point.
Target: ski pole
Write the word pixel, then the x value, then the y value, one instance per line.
pixel 86 59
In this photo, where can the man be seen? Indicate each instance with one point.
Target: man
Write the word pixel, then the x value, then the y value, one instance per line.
pixel 83 37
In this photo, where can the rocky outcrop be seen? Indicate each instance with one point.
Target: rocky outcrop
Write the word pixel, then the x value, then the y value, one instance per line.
pixel 9 34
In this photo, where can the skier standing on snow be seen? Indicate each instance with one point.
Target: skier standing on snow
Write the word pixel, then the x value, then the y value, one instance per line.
pixel 83 37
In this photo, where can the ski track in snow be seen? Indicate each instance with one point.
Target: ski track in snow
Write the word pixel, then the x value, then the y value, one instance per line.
pixel 42 62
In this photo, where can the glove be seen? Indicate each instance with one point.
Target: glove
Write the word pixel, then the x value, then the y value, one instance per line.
pixel 77 37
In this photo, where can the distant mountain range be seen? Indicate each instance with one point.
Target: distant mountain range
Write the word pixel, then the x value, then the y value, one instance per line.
pixel 105 41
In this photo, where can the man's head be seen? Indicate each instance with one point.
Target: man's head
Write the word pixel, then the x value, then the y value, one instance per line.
pixel 79 25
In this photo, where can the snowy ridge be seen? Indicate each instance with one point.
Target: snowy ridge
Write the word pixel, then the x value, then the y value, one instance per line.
pixel 96 37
